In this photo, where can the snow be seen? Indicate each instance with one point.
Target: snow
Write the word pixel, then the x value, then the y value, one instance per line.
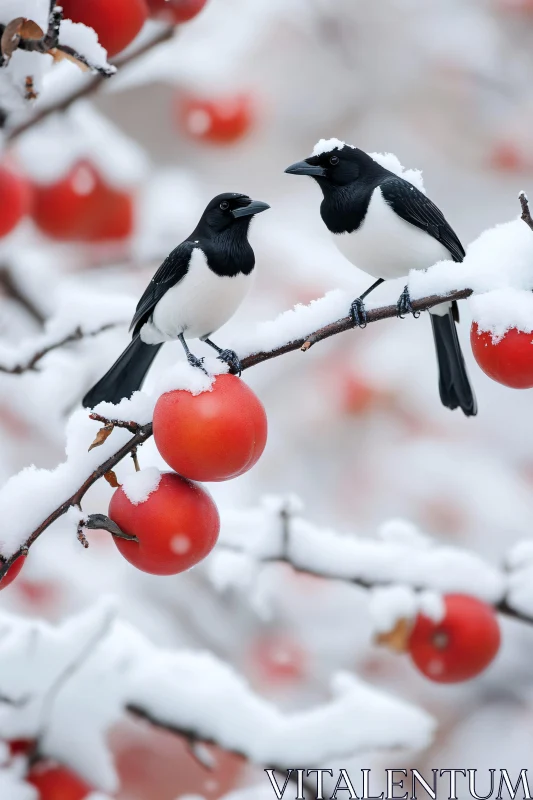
pixel 138 408
pixel 82 133
pixel 112 667
pixel 139 485
pixel 390 604
pixel 498 263
pixel 48 489
pixel 416 562
pixel 502 309
pixel 83 40
pixel 327 145
pixel 294 324
pixel 36 10
pixel 392 163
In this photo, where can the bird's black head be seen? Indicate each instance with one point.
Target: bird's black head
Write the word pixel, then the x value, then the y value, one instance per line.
pixel 229 210
pixel 347 177
pixel 334 164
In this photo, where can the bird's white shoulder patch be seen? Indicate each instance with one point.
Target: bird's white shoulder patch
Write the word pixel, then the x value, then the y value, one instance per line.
pixel 327 145
pixel 392 163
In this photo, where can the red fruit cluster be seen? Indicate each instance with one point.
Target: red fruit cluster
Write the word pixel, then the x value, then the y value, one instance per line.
pixel 83 207
pixel 461 645
pixel 213 436
pixel 117 23
pixel 508 360
pixel 15 199
pixel 219 121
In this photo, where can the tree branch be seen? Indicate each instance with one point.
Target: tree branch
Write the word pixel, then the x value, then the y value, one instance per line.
pixel 526 214
pixel 90 86
pixel 144 432
pixel 31 363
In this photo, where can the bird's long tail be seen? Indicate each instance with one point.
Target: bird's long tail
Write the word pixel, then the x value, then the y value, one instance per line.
pixel 125 376
pixel 454 386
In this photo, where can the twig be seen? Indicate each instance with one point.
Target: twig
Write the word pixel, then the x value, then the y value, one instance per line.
pixel 526 214
pixel 194 738
pixel 90 86
pixel 76 336
pixel 131 426
pixel 12 290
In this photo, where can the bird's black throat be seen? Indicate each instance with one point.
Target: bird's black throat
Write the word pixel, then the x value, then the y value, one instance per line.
pixel 228 252
pixel 344 208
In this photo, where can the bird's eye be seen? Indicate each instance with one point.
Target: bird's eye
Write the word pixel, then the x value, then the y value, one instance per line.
pixel 334 160
pixel 224 205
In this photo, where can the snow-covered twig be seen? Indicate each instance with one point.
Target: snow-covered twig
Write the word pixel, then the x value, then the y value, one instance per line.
pixel 93 668
pixel 275 532
pixel 31 362
pixel 90 86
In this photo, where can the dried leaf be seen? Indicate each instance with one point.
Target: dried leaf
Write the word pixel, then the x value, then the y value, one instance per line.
pixel 397 639
pixel 111 478
pixel 30 93
pixel 11 37
pixel 30 30
pixel 60 55
pixel 102 435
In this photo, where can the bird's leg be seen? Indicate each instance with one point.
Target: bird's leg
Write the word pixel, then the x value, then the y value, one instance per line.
pixel 357 309
pixel 403 306
pixel 229 357
pixel 191 358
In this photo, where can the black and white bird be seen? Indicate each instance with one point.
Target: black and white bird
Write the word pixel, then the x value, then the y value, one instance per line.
pixel 197 289
pixel 386 227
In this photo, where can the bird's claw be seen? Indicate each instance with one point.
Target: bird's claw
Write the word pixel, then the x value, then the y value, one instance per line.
pixel 231 358
pixel 194 361
pixel 404 305
pixel 358 313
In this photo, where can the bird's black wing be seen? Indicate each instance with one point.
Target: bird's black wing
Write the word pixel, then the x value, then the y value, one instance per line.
pixel 172 271
pixel 414 207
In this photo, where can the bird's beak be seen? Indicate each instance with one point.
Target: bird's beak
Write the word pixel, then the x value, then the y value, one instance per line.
pixel 255 207
pixel 303 168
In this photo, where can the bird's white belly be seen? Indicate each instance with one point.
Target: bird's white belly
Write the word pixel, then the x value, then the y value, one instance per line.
pixel 198 305
pixel 385 246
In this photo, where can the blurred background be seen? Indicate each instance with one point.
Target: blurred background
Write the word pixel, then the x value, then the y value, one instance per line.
pixel 356 426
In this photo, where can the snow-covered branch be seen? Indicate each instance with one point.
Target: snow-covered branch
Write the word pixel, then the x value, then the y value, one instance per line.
pixel 89 87
pixel 87 673
pixel 13 366
pixel 400 555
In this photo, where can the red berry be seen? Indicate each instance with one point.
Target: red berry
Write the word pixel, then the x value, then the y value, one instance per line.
pixel 508 360
pixel 57 783
pixel 277 659
pixel 15 198
pixel 177 526
pixel 20 747
pixel 82 207
pixel 176 11
pixel 12 572
pixel 213 436
pixel 459 647
pixel 116 217
pixel 117 23
pixel 219 121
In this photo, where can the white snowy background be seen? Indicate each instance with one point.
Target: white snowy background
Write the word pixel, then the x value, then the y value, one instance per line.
pixel 269 662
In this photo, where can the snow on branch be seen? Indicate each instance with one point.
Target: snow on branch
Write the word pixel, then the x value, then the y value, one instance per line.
pixel 69 685
pixel 275 531
pixel 498 266
pixel 15 362
pixel 88 87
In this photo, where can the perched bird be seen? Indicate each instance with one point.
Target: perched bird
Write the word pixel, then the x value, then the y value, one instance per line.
pixel 197 289
pixel 386 227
